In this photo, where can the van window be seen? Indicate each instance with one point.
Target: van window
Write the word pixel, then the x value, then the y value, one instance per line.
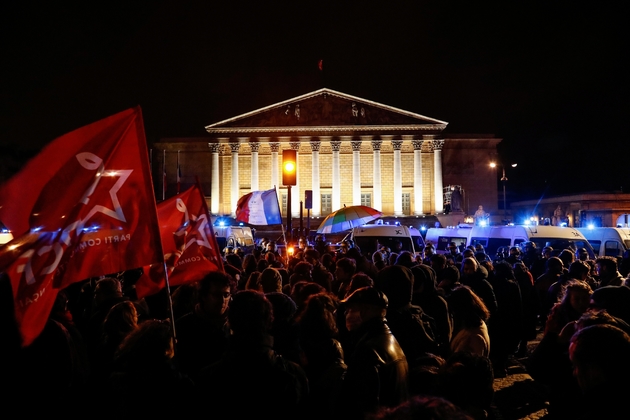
pixel 443 241
pixel 491 245
pixel 613 249
pixel 596 245
pixel 369 244
pixel 559 244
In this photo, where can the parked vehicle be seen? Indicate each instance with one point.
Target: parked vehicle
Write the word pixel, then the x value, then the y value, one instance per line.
pixel 610 241
pixel 494 237
pixel 235 237
pixel 370 238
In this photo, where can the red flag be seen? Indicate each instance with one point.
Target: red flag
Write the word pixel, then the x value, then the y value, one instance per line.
pixel 84 207
pixel 320 65
pixel 190 247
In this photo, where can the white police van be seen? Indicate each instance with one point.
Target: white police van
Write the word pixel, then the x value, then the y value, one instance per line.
pixel 371 237
pixel 607 241
pixel 494 237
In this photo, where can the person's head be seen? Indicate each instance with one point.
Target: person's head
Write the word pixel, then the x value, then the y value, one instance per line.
pixel 406 259
pixel 467 307
pixel 149 344
pixel 363 305
pixel 424 279
pixel 567 256
pixel 438 262
pixel 423 407
pixel 358 281
pixel 614 299
pixel 469 266
pixel 547 251
pixel 504 271
pixel 396 281
pixel 582 254
pixel 214 292
pixel 554 265
pixel 345 268
pixel 121 319
pixel 270 280
pixel 606 265
pixel 579 270
pixel 319 315
pixel 249 263
pixel 577 295
pixel 312 256
pixel 515 252
pixel 599 354
pixel 107 288
pixel 250 313
pixel 452 247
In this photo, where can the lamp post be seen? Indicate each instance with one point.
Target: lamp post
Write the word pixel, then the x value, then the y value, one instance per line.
pixel 504 181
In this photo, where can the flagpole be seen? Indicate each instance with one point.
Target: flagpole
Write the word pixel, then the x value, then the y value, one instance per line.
pixel 163 174
pixel 178 174
pixel 170 305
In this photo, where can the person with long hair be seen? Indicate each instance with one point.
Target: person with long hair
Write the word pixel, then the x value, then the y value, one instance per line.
pixel 470 332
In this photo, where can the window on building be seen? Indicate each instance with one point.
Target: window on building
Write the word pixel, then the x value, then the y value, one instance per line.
pixel 366 199
pixel 326 203
pixel 406 203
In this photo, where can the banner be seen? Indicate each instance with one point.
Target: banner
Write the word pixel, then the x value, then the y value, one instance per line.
pixel 259 208
pixel 190 247
pixel 84 207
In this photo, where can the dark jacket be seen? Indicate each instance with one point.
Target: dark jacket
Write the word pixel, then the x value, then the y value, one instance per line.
pixel 377 372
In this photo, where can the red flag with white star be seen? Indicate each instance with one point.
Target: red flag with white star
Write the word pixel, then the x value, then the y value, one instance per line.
pixel 84 207
pixel 190 247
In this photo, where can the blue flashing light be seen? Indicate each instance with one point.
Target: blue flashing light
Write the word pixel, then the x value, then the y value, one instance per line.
pixel 482 223
pixel 563 224
pixel 591 226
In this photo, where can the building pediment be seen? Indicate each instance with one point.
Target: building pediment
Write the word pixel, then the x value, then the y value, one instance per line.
pixel 326 111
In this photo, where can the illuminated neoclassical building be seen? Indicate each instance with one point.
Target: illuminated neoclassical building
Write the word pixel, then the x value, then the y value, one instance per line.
pixel 350 151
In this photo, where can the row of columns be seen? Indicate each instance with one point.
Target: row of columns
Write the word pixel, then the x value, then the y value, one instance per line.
pixel 435 146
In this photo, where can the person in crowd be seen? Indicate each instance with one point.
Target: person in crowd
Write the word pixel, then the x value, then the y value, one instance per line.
pixel 531 309
pixel 364 264
pixel 143 365
pixel 567 256
pixel 406 259
pixel 454 253
pixel 466 379
pixel 319 273
pixel 251 379
pixel 322 353
pixel 250 265
pixel 555 269
pixel 603 380
pixel 377 374
pixel 423 407
pixel 476 277
pixel 426 296
pixel 121 320
pixel 614 299
pixel 344 270
pixel 507 324
pixel 578 270
pixel 253 281
pixel 284 329
pixel 379 260
pixel 202 334
pixel 270 280
pixel 412 327
pixel 470 332
pixel 608 273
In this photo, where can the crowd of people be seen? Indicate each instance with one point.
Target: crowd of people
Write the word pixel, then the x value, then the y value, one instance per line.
pixel 336 334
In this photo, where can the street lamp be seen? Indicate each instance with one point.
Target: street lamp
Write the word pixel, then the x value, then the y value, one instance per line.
pixel 504 181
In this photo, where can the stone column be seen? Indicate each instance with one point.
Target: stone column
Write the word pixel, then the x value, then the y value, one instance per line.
pixel 417 177
pixel 215 189
pixel 275 177
pixel 437 175
pixel 398 209
pixel 336 177
pixel 356 172
pixel 377 199
pixel 255 146
pixel 235 190
pixel 295 190
pixel 316 211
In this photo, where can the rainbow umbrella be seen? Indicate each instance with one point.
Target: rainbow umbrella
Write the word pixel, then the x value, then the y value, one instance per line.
pixel 348 217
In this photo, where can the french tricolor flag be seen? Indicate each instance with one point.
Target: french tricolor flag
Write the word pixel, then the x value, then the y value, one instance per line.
pixel 259 208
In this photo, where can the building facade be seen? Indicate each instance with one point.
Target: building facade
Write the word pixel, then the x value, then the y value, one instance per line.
pixel 350 151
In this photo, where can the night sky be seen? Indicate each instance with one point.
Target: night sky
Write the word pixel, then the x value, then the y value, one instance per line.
pixel 550 78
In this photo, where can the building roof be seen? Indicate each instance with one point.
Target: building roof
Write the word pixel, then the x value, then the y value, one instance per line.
pixel 327 112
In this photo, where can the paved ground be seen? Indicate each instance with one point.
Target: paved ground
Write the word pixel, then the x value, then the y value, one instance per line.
pixel 517 396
